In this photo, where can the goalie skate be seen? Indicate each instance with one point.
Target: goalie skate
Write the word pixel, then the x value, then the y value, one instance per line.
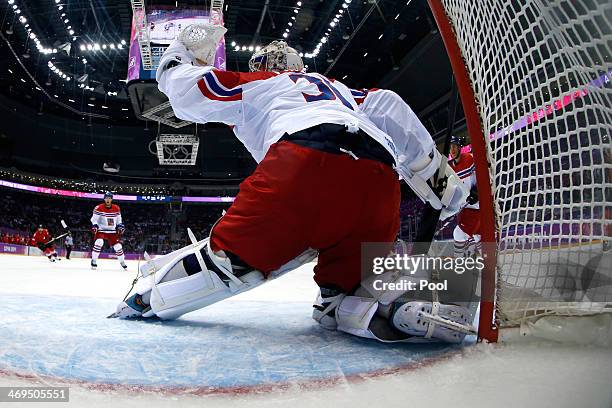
pixel 132 307
pixel 449 323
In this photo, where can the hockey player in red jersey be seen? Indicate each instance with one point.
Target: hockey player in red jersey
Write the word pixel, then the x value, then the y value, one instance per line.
pixel 467 230
pixel 43 238
pixel 107 225
pixel 326 182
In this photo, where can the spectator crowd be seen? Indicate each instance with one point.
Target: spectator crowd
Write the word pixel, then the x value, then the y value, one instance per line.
pixel 152 227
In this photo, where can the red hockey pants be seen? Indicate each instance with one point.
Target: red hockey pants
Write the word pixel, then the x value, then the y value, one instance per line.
pixel 300 197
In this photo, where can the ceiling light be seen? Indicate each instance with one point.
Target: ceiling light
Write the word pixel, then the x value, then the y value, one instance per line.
pixel 82 47
pixel 120 46
pixel 233 43
pixel 285 35
pixel 295 11
pixel 71 32
pixel 244 48
pixel 123 42
pixel 251 48
pixel 70 100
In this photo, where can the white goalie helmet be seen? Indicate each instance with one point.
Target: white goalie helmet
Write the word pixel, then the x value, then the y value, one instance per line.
pixel 276 56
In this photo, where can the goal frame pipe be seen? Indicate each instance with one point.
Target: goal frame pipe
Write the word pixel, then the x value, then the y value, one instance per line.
pixel 487 325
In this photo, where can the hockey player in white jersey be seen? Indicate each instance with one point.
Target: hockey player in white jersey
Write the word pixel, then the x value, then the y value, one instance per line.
pixel 326 182
pixel 107 225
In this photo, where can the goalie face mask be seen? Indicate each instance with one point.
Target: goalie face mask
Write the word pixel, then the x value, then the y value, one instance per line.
pixel 276 56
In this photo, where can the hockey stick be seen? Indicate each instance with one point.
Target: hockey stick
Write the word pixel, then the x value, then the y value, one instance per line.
pixel 431 216
pixel 56 238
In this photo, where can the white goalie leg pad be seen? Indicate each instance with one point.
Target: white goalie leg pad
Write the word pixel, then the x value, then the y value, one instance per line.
pixel 155 264
pixel 354 314
pixel 423 321
pixel 416 174
pixel 173 298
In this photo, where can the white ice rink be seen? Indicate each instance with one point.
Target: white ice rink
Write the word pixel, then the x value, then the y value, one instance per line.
pixel 258 349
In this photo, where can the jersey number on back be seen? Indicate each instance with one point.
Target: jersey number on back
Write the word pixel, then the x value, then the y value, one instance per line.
pixel 326 90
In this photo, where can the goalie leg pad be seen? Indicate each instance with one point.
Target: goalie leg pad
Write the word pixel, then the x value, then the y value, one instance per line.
pixel 195 277
pixel 387 316
pixel 178 289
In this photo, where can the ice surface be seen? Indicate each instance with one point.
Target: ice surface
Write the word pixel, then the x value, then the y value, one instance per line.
pixel 261 348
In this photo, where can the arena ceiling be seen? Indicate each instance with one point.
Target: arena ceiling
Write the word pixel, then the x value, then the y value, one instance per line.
pixel 46 64
pixel 369 40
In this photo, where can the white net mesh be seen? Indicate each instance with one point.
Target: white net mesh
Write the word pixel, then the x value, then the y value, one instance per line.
pixel 541 73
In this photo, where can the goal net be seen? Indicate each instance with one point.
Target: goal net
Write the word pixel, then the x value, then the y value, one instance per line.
pixel 535 81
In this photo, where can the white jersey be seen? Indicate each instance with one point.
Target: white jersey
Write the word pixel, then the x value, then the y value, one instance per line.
pixel 106 218
pixel 393 116
pixel 261 106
